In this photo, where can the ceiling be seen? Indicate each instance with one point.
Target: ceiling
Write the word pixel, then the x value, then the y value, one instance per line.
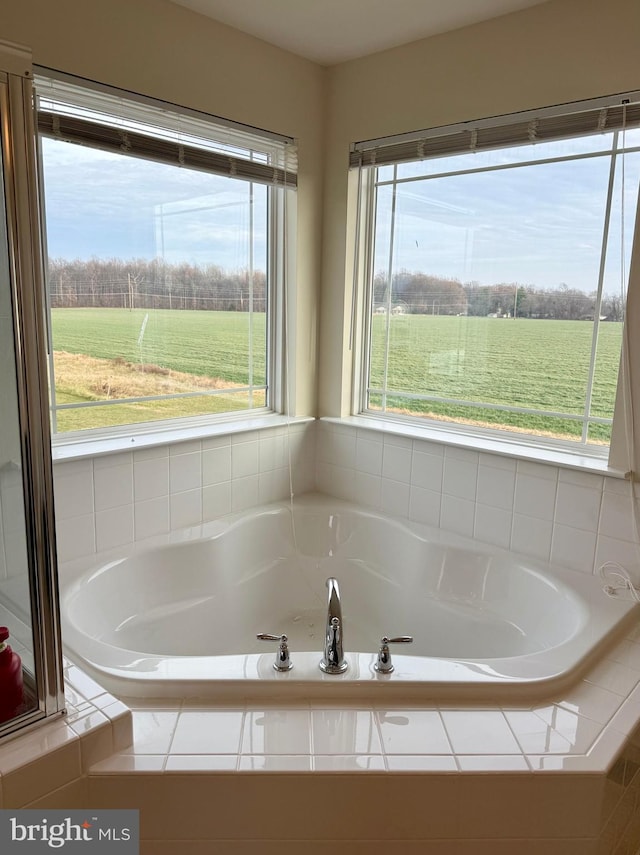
pixel 332 31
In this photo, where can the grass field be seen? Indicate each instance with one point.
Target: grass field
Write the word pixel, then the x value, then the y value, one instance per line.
pixel 536 364
pixel 208 344
pixel 172 352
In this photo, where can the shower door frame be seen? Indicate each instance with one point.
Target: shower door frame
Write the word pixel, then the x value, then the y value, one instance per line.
pixel 24 238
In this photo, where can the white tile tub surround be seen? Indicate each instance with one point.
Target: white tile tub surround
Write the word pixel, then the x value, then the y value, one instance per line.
pixel 428 761
pixel 116 499
pixel 573 518
pixel 47 766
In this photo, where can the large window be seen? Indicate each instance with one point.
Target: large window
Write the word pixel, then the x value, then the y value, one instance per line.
pixel 496 260
pixel 165 261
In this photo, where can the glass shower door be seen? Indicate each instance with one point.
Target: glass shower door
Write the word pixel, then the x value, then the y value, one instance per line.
pixel 32 689
pixel 15 593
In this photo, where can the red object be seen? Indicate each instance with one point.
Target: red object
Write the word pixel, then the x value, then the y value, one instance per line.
pixel 11 687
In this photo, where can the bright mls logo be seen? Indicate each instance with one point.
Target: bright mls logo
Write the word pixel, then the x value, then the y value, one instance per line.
pixel 27 831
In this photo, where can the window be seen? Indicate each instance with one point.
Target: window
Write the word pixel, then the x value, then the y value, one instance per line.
pixel 165 235
pixel 496 257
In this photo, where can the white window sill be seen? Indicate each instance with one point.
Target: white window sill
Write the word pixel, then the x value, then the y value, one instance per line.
pixel 77 448
pixel 519 449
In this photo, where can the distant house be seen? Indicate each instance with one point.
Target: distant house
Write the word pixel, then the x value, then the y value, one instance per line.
pixel 396 310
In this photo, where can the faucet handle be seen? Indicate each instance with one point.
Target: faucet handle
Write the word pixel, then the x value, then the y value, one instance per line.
pixel 283 661
pixel 384 664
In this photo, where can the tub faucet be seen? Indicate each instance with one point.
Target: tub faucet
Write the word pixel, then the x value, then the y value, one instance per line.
pixel 333 661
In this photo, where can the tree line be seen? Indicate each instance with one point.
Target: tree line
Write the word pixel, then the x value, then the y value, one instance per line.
pixel 421 293
pixel 154 284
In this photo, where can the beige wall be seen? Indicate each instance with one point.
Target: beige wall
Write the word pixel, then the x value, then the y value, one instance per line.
pixel 559 51
pixel 163 50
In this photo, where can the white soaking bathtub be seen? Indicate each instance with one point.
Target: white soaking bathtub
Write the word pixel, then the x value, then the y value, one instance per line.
pixel 181 619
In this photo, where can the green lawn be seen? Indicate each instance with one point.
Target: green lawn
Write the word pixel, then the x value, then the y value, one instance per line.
pixel 537 364
pixel 203 344
pixel 209 344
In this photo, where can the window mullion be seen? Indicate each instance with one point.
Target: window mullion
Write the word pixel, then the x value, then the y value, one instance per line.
pixel 501 167
pixel 363 298
pixel 53 403
pixel 392 230
pixel 598 303
pixel 279 367
pixel 251 273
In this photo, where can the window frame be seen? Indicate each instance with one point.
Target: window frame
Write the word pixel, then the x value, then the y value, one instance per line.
pixel 280 179
pixel 364 162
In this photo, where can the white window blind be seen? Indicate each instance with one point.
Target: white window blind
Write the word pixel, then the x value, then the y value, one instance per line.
pixel 594 117
pixel 143 128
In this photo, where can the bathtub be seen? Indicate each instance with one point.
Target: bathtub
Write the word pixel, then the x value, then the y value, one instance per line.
pixel 180 619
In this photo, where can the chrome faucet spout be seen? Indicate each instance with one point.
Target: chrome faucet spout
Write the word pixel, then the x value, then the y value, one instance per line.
pixel 333 661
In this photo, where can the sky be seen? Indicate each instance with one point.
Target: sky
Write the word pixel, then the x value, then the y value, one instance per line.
pixel 103 205
pixel 540 225
pixel 536 225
